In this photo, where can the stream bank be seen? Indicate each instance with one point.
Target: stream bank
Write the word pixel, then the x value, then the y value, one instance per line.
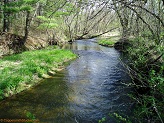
pixel 19 72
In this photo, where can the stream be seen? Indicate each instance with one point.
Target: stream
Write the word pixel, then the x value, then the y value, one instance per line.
pixel 91 87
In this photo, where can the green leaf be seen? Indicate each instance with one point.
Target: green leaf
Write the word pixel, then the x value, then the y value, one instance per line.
pixel 48 25
pixel 43 18
pixel 30 1
pixel 26 8
pixel 11 9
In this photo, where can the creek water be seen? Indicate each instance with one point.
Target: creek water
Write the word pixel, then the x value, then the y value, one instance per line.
pixel 88 89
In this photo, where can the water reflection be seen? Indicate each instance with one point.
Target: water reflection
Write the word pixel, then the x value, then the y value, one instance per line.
pixel 86 91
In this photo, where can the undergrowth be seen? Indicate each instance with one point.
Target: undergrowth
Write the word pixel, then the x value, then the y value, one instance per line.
pixel 146 68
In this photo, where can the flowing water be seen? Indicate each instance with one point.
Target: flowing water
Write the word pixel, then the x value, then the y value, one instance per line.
pixel 88 89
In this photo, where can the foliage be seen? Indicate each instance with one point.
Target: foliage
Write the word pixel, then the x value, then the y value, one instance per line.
pixel 121 118
pixel 15 7
pixel 22 68
pixel 115 116
pixel 146 61
pixel 102 120
pixel 1 93
pixel 31 117
pixel 48 26
pixel 47 23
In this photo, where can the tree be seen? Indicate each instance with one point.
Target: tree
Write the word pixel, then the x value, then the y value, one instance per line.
pixel 146 14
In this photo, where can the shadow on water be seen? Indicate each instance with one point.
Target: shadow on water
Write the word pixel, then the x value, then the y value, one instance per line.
pixel 87 90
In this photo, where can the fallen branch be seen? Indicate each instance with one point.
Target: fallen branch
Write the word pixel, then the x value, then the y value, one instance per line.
pixel 103 33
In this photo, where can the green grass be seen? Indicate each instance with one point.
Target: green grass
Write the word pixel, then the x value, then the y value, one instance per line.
pixel 106 42
pixel 17 72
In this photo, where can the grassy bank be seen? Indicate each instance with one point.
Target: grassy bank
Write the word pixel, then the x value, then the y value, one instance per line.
pixel 109 42
pixel 21 71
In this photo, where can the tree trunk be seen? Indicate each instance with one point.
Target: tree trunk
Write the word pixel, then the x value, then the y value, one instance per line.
pixel 6 17
pixel 123 19
pixel 27 26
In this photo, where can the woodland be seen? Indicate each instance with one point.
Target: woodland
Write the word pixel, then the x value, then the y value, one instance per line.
pixel 36 24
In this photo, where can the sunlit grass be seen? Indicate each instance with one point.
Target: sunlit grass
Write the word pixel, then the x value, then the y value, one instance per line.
pixel 24 68
pixel 106 42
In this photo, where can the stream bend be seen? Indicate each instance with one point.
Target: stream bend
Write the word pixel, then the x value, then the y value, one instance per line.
pixel 87 90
